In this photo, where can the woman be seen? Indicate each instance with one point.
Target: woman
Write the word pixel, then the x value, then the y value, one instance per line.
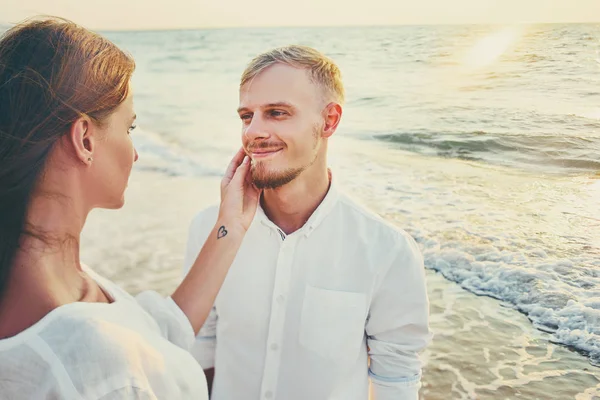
pixel 66 111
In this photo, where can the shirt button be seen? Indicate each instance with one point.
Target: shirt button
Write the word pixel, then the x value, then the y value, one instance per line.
pixel 268 394
pixel 274 347
pixel 280 299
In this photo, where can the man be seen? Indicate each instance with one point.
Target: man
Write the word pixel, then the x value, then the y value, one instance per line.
pixel 323 297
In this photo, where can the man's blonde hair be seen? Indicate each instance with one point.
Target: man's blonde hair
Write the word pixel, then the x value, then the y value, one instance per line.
pixel 322 70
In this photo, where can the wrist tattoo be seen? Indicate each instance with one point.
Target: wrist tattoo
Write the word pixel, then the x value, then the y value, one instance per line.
pixel 222 232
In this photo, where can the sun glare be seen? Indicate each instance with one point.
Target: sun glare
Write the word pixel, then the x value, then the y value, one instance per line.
pixel 489 48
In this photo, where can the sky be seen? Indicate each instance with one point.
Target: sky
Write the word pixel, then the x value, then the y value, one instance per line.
pixel 181 14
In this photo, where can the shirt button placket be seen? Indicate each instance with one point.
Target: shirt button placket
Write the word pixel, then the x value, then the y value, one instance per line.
pixel 275 334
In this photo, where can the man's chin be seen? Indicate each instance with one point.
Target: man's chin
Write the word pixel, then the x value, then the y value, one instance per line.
pixel 267 183
pixel 273 180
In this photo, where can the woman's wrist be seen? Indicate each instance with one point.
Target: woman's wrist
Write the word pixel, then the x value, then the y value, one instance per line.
pixel 228 227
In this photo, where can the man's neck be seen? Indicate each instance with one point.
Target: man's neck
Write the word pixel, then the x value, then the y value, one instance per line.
pixel 290 206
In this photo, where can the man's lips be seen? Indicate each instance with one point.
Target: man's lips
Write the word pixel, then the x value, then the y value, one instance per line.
pixel 259 153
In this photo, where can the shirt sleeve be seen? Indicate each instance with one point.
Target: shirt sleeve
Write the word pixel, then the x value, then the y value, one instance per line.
pixel 172 321
pixel 398 325
pixel 203 348
pixel 129 393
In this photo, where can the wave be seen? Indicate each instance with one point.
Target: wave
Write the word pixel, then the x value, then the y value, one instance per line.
pixel 532 283
pixel 548 152
pixel 156 155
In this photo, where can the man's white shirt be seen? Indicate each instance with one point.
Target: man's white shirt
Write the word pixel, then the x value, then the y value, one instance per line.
pixel 332 311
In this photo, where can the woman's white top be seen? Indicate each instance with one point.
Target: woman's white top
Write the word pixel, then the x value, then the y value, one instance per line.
pixel 133 348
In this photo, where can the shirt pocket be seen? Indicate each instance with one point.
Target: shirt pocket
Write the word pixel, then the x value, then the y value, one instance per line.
pixel 333 322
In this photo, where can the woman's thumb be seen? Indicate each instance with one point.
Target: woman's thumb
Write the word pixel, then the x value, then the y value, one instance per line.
pixel 240 173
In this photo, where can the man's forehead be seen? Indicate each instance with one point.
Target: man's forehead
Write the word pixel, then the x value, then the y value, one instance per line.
pixel 278 83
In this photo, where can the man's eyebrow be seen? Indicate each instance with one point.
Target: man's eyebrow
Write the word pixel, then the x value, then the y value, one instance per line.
pixel 283 104
pixel 279 104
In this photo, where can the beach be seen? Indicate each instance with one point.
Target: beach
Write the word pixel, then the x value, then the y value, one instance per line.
pixel 482 349
pixel 481 141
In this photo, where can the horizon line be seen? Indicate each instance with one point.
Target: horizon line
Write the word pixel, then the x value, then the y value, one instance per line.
pixel 300 26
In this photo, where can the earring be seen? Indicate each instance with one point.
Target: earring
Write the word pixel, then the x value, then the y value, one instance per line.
pixel 90 159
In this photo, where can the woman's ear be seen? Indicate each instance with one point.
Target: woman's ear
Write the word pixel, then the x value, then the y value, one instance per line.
pixel 82 139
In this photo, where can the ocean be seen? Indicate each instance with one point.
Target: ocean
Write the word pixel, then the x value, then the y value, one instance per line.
pixel 483 142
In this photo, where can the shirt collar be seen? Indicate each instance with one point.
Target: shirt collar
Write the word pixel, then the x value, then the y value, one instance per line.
pixel 322 211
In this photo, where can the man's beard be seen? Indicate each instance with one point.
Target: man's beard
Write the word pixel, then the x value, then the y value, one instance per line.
pixel 265 179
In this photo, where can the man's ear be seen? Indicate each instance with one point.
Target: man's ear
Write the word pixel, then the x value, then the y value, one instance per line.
pixel 82 139
pixel 333 116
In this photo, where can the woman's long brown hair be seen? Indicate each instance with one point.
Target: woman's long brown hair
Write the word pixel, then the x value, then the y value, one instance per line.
pixel 52 72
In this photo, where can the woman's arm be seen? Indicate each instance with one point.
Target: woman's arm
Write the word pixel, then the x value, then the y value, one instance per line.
pixel 239 199
pixel 197 292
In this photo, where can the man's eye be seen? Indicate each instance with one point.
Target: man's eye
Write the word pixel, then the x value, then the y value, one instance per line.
pixel 245 117
pixel 277 113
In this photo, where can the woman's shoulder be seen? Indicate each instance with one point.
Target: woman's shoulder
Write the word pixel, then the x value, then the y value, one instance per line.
pixel 76 356
pixel 108 286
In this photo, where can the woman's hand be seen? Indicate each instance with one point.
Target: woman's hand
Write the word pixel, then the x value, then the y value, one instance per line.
pixel 239 197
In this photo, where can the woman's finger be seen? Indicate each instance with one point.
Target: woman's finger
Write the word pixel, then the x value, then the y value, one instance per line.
pixel 233 165
pixel 252 196
pixel 240 173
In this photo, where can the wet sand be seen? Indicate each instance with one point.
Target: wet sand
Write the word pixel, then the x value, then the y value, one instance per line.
pixel 481 349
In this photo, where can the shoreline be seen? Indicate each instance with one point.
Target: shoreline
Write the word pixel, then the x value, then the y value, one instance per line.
pixel 481 349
